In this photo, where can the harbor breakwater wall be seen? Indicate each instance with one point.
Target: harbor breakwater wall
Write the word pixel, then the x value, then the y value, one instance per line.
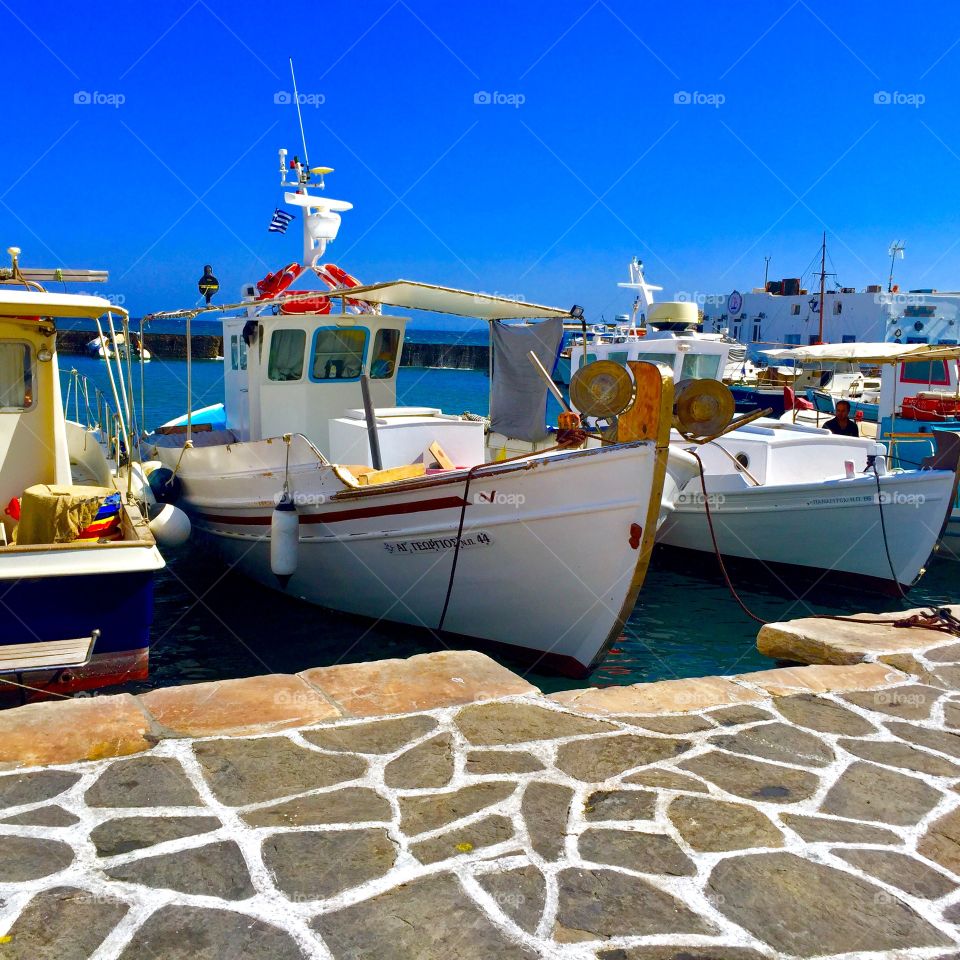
pixel 173 346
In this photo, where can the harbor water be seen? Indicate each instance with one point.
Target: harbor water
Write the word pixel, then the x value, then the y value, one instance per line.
pixel 212 624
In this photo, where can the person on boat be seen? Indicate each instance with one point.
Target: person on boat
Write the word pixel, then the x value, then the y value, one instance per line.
pixel 208 284
pixel 841 424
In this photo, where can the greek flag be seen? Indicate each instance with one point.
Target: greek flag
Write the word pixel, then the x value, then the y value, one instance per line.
pixel 280 222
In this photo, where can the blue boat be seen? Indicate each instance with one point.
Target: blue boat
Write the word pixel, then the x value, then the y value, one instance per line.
pixel 77 561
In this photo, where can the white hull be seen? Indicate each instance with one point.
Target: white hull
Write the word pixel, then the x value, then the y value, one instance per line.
pixel 833 527
pixel 553 551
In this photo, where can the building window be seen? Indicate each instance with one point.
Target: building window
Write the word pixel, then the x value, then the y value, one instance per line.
pixel 813 339
pixel 795 310
pixel 385 347
pixel 792 339
pixel 756 332
pixel 837 308
pixel 848 338
pixel 16 376
pixel 286 354
pixel 736 331
pixel 338 353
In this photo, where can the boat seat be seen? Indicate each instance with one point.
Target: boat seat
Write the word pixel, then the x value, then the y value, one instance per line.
pixel 364 476
pixel 47 655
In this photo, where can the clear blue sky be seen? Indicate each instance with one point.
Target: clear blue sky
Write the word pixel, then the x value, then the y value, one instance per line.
pixel 547 200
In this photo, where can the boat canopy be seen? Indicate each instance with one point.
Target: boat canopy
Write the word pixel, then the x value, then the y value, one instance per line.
pixel 400 293
pixel 414 295
pixel 29 303
pixel 876 353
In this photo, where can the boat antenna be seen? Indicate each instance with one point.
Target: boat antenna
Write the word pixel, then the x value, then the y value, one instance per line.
pixel 296 98
pixel 896 249
pixel 823 282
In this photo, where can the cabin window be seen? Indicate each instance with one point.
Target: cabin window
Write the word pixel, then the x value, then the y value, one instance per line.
pixel 667 359
pixel 385 347
pixel 16 377
pixel 928 372
pixel 234 353
pixel 286 354
pixel 338 353
pixel 700 366
pixel 243 353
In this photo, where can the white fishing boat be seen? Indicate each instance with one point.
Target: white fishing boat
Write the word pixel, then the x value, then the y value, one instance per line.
pixel 668 332
pixel 799 499
pixel 103 347
pixel 77 558
pixel 314 482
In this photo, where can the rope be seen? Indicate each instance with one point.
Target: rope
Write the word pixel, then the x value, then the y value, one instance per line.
pixel 24 686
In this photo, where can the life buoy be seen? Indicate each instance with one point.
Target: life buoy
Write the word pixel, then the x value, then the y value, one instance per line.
pixel 316 304
pixel 337 278
pixel 273 284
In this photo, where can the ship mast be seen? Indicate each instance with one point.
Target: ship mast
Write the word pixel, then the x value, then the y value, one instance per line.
pixel 823 282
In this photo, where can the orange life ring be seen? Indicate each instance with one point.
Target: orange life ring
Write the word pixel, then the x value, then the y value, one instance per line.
pixel 273 284
pixel 337 278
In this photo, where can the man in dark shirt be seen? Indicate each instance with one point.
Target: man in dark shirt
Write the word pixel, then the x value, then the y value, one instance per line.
pixel 841 424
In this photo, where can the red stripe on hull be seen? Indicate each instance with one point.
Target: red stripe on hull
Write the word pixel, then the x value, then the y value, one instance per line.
pixel 335 516
pixel 104 670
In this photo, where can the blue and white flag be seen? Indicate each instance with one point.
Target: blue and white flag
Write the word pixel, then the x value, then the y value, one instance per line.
pixel 280 222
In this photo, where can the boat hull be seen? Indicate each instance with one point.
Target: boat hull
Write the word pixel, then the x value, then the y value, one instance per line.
pixel 831 529
pixel 45 609
pixel 552 553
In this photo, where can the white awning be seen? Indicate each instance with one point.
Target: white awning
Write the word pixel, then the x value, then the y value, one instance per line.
pixel 879 353
pixel 30 303
pixel 462 303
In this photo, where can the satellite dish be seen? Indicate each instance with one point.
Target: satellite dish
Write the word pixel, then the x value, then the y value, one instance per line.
pixel 702 407
pixel 601 389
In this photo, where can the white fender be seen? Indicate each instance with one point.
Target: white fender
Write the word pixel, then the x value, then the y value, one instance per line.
pixel 169 525
pixel 284 538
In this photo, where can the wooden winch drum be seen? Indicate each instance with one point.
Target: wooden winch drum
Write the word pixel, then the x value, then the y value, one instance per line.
pixel 703 408
pixel 601 389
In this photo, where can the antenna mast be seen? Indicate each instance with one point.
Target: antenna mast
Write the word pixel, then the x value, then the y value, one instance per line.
pixel 823 282
pixel 896 248
pixel 303 136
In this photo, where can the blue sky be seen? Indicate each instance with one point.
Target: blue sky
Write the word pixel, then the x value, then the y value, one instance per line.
pixel 587 160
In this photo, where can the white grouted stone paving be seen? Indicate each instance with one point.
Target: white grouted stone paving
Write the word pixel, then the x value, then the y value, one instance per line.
pixel 356 887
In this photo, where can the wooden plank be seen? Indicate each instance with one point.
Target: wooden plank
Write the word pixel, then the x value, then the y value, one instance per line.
pixel 15 657
pixel 390 474
pixel 440 455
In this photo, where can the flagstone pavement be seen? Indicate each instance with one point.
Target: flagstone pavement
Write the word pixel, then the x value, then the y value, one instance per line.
pixel 441 807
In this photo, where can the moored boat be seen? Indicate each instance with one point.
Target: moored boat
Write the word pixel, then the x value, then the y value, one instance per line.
pixel 315 483
pixel 77 560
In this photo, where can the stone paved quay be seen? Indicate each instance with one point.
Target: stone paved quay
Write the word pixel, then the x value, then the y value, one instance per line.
pixel 441 807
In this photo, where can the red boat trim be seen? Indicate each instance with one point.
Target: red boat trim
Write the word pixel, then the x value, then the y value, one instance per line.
pixel 335 516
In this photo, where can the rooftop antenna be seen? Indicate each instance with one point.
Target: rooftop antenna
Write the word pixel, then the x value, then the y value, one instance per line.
pixel 896 250
pixel 303 136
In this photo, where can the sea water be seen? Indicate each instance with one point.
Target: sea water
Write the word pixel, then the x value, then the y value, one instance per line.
pixel 212 624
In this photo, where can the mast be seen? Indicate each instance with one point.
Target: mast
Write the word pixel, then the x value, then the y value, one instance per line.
pixel 823 282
